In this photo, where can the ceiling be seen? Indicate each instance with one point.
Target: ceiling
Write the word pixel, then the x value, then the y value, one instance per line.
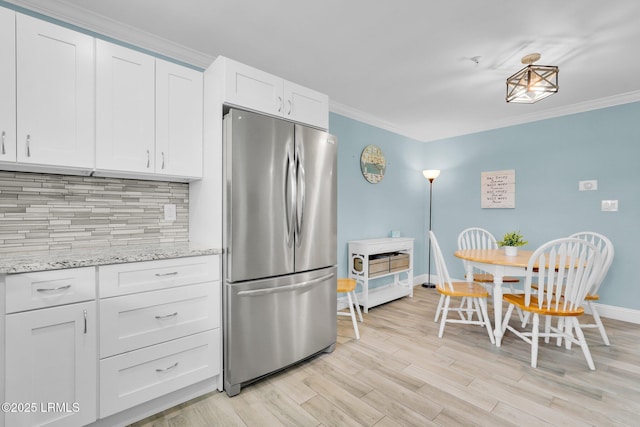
pixel 403 65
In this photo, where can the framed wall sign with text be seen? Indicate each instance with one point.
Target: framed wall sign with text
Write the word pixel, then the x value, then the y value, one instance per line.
pixel 498 189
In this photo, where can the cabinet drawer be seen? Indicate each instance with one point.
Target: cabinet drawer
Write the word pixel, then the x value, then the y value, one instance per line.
pixel 27 291
pixel 122 279
pixel 134 321
pixel 133 378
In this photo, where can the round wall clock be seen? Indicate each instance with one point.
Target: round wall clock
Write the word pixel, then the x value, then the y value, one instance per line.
pixel 372 164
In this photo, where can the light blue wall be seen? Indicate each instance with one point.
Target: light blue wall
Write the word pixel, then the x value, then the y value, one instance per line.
pixel 549 158
pixel 398 202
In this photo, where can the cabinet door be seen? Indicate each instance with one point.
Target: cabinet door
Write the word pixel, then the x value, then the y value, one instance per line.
pixel 55 94
pixel 306 106
pixel 178 120
pixel 7 85
pixel 51 360
pixel 125 103
pixel 251 88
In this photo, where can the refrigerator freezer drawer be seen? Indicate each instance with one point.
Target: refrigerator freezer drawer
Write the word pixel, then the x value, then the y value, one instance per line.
pixel 273 323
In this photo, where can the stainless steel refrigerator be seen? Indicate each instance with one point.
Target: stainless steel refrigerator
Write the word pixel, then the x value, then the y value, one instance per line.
pixel 279 236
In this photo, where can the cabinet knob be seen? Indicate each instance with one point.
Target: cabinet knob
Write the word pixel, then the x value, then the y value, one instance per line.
pixel 3 135
pixel 280 104
pixel 28 145
pixel 148 159
pixel 163 160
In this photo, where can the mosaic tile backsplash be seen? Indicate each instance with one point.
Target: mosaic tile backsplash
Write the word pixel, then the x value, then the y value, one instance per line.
pixel 41 212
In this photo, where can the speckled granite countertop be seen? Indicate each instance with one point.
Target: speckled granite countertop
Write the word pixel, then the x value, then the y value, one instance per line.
pixel 42 261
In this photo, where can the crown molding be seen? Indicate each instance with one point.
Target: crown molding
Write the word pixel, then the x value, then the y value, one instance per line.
pixel 103 27
pixel 596 104
pixel 361 116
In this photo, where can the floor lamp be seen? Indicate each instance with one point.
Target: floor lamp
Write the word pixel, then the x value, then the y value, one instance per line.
pixel 430 174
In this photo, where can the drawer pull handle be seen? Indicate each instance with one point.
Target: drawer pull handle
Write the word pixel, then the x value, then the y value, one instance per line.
pixel 167 315
pixel 85 320
pixel 173 273
pixel 167 369
pixel 61 288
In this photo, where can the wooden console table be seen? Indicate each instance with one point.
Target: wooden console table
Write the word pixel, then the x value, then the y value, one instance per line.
pixel 365 253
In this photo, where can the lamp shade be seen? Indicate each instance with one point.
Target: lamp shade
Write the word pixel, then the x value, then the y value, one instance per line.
pixel 431 174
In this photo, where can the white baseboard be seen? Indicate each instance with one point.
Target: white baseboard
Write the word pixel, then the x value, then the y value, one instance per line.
pixel 423 278
pixel 616 313
pixel 607 311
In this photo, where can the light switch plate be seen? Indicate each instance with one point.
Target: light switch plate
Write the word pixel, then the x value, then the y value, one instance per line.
pixel 589 185
pixel 170 212
pixel 609 206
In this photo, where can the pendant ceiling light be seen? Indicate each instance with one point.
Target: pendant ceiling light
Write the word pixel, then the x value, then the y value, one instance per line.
pixel 533 82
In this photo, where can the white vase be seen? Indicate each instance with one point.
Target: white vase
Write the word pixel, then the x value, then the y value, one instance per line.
pixel 511 250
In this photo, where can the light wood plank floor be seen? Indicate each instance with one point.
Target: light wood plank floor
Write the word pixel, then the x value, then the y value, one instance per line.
pixel 401 374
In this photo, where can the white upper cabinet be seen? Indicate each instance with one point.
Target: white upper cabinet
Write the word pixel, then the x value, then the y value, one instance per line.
pixel 72 104
pixel 55 94
pixel 7 85
pixel 251 88
pixel 306 105
pixel 179 120
pixel 125 109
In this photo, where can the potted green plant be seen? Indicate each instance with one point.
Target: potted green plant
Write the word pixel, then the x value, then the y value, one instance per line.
pixel 510 242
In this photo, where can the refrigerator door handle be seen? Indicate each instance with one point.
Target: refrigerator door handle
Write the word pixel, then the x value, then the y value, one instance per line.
pixel 290 199
pixel 300 211
pixel 287 288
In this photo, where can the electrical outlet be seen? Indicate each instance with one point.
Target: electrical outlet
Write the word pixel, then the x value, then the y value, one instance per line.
pixel 609 206
pixel 170 212
pixel 589 185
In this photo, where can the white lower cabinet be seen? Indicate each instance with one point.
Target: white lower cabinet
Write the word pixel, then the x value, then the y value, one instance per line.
pixel 159 329
pixel 51 359
pixel 51 363
pixel 138 376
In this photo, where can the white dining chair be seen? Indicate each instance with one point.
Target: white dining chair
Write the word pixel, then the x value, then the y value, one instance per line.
pixel 605 247
pixel 479 238
pixel 563 272
pixel 475 292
